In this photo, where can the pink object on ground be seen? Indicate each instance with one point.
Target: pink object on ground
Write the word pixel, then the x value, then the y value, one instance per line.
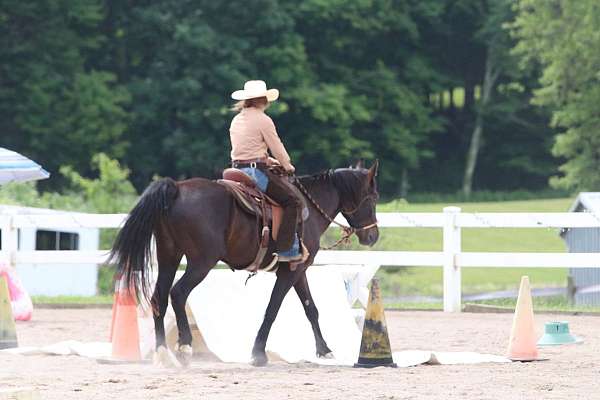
pixel 523 340
pixel 22 307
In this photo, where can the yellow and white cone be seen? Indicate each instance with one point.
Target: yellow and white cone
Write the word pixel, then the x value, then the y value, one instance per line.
pixel 375 350
pixel 8 330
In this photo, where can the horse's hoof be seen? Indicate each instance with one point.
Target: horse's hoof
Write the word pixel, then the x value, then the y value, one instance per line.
pixel 259 360
pixel 327 356
pixel 184 355
pixel 164 358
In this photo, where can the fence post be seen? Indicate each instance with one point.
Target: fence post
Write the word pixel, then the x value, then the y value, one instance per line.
pixel 452 279
pixel 10 239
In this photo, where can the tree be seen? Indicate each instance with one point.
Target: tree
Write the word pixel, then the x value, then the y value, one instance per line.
pixel 371 97
pixel 180 60
pixel 491 132
pixel 562 37
pixel 344 94
pixel 109 192
pixel 497 44
pixel 148 82
pixel 52 104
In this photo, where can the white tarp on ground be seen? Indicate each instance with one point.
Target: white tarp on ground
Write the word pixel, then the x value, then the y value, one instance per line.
pixel 407 358
pixel 229 329
pixel 228 314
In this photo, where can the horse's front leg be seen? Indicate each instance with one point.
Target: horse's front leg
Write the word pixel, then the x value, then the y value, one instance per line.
pixel 283 284
pixel 303 292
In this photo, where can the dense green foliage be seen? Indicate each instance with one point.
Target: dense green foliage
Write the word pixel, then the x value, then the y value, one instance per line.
pixel 429 87
pixel 563 37
pixel 110 192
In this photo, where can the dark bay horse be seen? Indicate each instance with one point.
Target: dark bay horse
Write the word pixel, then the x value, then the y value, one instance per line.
pixel 200 219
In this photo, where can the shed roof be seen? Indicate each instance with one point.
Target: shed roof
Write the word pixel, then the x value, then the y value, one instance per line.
pixel 586 201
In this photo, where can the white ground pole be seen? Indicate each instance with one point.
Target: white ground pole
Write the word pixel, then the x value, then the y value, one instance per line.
pixel 452 247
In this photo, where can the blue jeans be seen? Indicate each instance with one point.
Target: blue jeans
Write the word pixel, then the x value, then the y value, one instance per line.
pixel 262 181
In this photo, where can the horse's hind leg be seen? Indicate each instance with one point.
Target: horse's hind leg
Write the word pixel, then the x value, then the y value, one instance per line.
pixel 196 271
pixel 168 257
pixel 303 292
pixel 168 261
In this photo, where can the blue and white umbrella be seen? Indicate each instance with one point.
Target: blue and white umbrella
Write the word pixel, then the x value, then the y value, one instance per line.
pixel 17 168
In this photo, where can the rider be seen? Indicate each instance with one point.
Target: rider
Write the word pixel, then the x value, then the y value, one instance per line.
pixel 252 133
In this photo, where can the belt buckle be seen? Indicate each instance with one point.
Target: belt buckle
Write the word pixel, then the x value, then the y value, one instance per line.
pixel 253 165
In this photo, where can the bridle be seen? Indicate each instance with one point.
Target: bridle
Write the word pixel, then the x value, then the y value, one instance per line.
pixel 348 231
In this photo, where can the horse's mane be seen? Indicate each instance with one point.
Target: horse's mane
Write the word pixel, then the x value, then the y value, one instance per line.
pixel 318 177
pixel 348 181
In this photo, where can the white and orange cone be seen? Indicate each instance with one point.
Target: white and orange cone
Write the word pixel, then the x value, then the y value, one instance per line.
pixel 522 343
pixel 124 332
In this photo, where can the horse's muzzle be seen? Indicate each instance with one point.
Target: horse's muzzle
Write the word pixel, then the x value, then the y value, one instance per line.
pixel 368 237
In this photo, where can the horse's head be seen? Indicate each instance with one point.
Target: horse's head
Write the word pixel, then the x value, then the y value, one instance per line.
pixel 358 198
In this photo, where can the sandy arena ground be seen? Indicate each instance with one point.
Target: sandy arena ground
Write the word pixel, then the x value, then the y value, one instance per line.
pixel 572 372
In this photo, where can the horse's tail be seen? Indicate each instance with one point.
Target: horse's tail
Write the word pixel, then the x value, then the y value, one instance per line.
pixel 132 246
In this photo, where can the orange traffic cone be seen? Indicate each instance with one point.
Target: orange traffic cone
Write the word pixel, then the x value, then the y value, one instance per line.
pixel 124 333
pixel 8 331
pixel 522 343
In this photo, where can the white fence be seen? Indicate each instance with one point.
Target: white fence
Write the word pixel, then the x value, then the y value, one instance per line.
pixel 451 258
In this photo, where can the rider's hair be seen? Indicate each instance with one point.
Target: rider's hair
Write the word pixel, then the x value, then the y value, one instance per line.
pixel 256 102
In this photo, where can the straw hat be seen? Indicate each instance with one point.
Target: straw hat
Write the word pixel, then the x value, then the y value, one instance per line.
pixel 254 89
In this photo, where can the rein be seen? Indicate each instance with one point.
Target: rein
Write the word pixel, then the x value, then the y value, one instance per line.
pixel 348 231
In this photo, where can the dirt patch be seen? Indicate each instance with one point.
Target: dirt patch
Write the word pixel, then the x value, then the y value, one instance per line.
pixel 571 372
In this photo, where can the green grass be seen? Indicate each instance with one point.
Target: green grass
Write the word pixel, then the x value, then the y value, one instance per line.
pixel 540 304
pixel 473 239
pixel 553 303
pixel 411 281
pixel 544 205
pixel 396 282
pixel 106 284
pixel 485 196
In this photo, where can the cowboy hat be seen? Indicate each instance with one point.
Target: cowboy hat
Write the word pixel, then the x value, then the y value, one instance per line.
pixel 254 89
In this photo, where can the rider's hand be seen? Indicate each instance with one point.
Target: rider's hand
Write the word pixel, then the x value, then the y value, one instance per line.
pixel 291 169
pixel 273 162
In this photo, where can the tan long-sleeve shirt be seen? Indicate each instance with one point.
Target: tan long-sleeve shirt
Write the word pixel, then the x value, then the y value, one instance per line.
pixel 252 133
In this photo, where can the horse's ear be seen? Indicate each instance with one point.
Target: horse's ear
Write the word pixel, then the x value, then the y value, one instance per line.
pixel 373 170
pixel 360 164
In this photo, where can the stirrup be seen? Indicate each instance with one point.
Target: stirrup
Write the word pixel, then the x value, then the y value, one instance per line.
pixel 297 257
pixel 304 254
pixel 283 257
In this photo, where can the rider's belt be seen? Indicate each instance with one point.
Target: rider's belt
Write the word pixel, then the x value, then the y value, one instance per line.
pixel 255 163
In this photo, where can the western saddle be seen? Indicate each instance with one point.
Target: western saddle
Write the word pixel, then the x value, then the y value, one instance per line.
pixel 266 210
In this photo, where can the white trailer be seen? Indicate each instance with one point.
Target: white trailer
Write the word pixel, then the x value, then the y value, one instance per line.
pixel 54 279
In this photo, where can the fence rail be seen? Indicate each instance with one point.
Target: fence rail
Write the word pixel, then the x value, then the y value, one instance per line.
pixel 451 258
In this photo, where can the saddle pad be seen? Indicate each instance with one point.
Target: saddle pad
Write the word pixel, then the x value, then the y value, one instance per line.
pixel 243 196
pixel 246 198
